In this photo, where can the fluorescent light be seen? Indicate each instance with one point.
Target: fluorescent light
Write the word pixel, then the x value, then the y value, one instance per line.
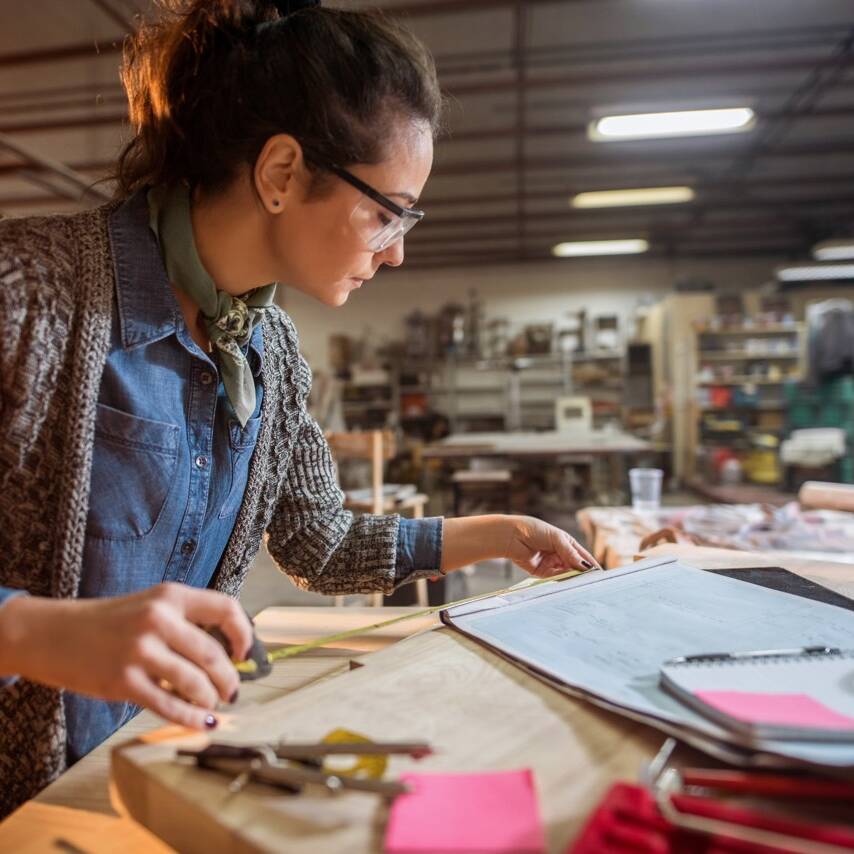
pixel 627 198
pixel 815 272
pixel 679 123
pixel 575 249
pixel 834 250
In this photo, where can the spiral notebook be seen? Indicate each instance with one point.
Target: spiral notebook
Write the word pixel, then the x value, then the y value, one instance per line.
pixel 805 694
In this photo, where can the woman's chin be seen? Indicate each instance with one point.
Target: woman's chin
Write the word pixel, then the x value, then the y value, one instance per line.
pixel 341 291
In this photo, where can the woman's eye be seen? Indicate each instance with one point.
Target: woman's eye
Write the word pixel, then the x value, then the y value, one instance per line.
pixel 384 219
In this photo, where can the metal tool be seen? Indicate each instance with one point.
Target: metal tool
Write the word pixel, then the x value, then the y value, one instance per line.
pixel 292 766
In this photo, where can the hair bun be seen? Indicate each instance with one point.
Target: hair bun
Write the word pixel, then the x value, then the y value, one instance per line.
pixel 288 7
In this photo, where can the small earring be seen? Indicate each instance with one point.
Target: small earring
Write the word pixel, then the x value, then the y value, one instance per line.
pixel 275 203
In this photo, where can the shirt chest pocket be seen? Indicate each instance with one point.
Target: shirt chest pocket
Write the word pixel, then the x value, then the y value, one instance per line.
pixel 133 468
pixel 241 443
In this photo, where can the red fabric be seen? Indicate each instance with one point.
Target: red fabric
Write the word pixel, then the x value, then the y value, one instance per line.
pixel 628 820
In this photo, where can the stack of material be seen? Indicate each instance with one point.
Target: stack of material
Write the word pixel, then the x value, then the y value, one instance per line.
pixel 813 448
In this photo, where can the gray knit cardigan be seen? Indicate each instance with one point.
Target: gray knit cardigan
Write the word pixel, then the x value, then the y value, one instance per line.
pixel 56 288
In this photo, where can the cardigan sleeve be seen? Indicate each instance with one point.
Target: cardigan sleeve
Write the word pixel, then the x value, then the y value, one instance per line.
pixel 310 536
pixel 319 544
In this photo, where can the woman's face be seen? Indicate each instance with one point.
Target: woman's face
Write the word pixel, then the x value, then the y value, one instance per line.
pixel 316 243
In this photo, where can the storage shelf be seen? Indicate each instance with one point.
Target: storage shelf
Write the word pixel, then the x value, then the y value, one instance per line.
pixel 361 405
pixel 754 330
pixel 749 381
pixel 741 407
pixel 744 355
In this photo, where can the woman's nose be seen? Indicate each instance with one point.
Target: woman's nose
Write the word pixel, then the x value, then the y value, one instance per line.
pixel 393 254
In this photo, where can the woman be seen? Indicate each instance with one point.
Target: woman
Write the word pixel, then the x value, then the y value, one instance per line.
pixel 153 396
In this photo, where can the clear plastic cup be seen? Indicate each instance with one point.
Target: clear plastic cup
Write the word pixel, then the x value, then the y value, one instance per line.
pixel 646 489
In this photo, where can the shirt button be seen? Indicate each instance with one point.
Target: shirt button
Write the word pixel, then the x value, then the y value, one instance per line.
pixel 201 461
pixel 206 377
pixel 188 547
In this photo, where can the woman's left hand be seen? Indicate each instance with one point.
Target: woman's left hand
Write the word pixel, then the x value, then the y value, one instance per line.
pixel 534 545
pixel 544 550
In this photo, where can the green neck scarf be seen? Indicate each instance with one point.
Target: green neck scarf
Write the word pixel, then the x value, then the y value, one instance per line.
pixel 228 319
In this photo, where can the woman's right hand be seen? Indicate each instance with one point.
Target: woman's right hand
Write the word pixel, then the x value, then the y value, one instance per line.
pixel 126 648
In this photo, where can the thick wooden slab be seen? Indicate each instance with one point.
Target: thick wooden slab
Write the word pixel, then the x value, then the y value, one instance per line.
pixel 477 710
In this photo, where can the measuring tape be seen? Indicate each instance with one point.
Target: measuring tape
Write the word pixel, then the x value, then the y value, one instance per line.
pixel 298 649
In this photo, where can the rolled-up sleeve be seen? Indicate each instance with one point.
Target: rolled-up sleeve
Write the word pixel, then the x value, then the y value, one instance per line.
pixel 419 549
pixel 7 593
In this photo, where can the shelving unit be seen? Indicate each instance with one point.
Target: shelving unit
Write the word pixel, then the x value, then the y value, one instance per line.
pixel 510 393
pixel 370 403
pixel 739 380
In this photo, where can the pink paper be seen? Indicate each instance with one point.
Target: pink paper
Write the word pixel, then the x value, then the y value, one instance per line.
pixel 489 813
pixel 776 709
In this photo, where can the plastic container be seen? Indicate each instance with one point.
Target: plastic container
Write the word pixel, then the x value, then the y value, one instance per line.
pixel 646 489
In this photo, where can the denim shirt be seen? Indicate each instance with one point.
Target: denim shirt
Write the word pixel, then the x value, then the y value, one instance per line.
pixel 170 461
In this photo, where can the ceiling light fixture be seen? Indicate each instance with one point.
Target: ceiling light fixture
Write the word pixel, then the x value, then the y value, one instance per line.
pixel 815 272
pixel 834 250
pixel 628 198
pixel 579 248
pixel 677 123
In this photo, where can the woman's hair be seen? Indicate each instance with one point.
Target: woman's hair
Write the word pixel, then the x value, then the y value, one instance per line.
pixel 210 81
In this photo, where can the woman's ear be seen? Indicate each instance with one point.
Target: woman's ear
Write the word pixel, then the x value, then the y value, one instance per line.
pixel 278 172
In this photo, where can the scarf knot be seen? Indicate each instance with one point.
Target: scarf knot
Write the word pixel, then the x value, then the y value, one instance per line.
pixel 229 319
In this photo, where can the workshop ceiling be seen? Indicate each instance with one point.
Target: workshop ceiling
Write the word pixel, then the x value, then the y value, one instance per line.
pixel 523 79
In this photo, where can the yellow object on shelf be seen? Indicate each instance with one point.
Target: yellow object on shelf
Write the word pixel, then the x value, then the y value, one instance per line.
pixel 761 463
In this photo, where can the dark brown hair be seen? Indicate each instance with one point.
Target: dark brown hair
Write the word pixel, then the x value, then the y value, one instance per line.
pixel 210 81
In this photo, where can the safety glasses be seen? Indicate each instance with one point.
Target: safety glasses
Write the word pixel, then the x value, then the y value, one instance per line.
pixel 378 220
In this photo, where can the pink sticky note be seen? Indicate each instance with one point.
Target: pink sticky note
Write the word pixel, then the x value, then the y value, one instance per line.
pixel 490 813
pixel 776 709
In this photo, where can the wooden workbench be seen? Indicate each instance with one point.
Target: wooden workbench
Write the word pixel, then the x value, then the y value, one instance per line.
pixel 479 711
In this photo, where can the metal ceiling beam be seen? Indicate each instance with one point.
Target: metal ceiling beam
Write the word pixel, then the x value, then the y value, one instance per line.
pixel 481 257
pixel 570 219
pixel 548 239
pixel 65 104
pixel 716 188
pixel 99 167
pixel 621 75
pixel 86 90
pixel 87 50
pixel 544 258
pixel 617 154
pixel 115 93
pixel 580 128
pixel 64 124
pixel 34 160
pixel 114 15
pixel 802 101
pixel 821 37
pixel 583 230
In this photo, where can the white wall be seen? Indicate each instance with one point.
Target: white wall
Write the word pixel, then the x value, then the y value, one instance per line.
pixel 525 293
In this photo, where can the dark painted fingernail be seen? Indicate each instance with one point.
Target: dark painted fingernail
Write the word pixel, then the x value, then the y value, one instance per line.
pixel 233 698
pixel 586 564
pixel 210 722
